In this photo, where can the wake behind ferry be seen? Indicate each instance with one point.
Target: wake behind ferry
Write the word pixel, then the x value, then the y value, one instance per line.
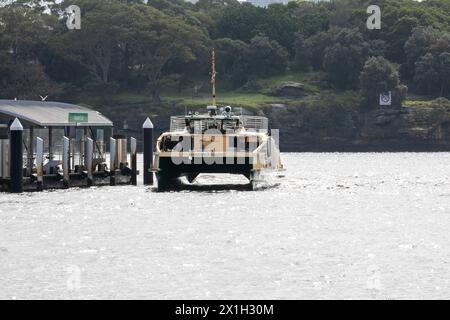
pixel 215 142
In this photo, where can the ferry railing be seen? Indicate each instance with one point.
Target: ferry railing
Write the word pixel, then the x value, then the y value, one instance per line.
pixel 256 123
pixel 177 123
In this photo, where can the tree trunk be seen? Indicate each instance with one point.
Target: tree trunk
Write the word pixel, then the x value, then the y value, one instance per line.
pixel 156 98
pixel 105 74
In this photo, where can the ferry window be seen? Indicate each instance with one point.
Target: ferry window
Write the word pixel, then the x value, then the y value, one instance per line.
pixel 198 126
pixel 241 144
pixel 212 124
pixel 169 143
pixel 230 125
pixel 251 143
pixel 191 126
pixel 232 143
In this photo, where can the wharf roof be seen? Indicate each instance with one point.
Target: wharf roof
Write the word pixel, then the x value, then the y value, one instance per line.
pixel 50 114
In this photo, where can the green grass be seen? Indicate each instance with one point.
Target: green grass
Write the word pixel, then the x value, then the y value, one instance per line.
pixel 252 99
pixel 438 103
pixel 124 98
pixel 309 80
pixel 418 103
pixel 237 99
pixel 232 98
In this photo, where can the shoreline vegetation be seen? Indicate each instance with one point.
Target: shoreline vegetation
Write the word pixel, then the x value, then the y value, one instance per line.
pixel 314 69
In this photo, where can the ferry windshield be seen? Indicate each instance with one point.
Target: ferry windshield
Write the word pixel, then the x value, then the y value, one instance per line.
pixel 223 125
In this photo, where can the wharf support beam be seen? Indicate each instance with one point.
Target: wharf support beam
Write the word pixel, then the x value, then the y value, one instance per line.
pixel 40 163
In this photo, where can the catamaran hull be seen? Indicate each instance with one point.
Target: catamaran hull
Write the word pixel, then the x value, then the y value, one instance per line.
pixel 171 169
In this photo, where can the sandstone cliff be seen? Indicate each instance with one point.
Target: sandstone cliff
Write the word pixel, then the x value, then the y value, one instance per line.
pixel 413 127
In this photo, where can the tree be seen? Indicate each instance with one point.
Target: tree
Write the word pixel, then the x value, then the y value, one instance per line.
pixel 379 77
pixel 279 24
pixel 428 51
pixel 400 33
pixel 444 72
pixel 158 40
pixel 234 60
pixel 315 47
pixel 148 45
pixel 240 22
pixel 311 17
pixel 105 27
pixel 426 76
pixel 268 53
pixel 433 74
pixel 215 8
pixel 27 82
pixel 420 43
pixel 344 58
pixel 343 10
pixel 302 58
pixel 23 33
pixel 377 47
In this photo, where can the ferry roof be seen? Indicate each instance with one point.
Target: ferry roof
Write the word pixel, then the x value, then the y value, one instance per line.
pixel 51 114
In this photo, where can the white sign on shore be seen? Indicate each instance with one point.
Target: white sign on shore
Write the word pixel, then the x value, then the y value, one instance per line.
pixel 386 99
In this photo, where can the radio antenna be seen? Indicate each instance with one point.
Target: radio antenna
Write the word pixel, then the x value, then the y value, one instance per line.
pixel 213 76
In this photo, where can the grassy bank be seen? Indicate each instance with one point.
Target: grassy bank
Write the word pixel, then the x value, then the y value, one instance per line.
pixel 317 96
pixel 259 95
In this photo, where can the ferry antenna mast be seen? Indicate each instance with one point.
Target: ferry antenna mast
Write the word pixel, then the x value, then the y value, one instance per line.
pixel 213 76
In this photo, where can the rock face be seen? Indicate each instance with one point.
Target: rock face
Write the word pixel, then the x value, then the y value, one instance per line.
pixel 397 129
pixel 289 89
pixel 414 128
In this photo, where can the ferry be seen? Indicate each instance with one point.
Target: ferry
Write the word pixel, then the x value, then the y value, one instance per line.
pixel 219 141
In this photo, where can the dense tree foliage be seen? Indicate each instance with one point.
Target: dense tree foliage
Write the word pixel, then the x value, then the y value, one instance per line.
pixel 380 76
pixel 21 48
pixel 146 46
pixel 428 52
pixel 344 57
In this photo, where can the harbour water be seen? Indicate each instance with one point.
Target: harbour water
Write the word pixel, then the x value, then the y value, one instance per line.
pixel 339 226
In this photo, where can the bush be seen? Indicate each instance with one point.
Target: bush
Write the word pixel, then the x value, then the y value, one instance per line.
pixel 377 77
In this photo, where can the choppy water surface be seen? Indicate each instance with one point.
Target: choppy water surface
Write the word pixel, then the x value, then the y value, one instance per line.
pixel 339 226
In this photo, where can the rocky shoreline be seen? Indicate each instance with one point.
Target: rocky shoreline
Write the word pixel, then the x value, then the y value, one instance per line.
pixel 405 129
pixel 418 128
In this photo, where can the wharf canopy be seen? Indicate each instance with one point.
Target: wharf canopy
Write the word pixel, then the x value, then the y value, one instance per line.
pixel 50 114
pixel 63 145
pixel 51 121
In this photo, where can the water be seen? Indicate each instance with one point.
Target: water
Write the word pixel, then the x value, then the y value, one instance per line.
pixel 339 226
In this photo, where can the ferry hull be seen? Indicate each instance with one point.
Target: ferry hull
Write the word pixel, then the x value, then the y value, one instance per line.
pixel 172 168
